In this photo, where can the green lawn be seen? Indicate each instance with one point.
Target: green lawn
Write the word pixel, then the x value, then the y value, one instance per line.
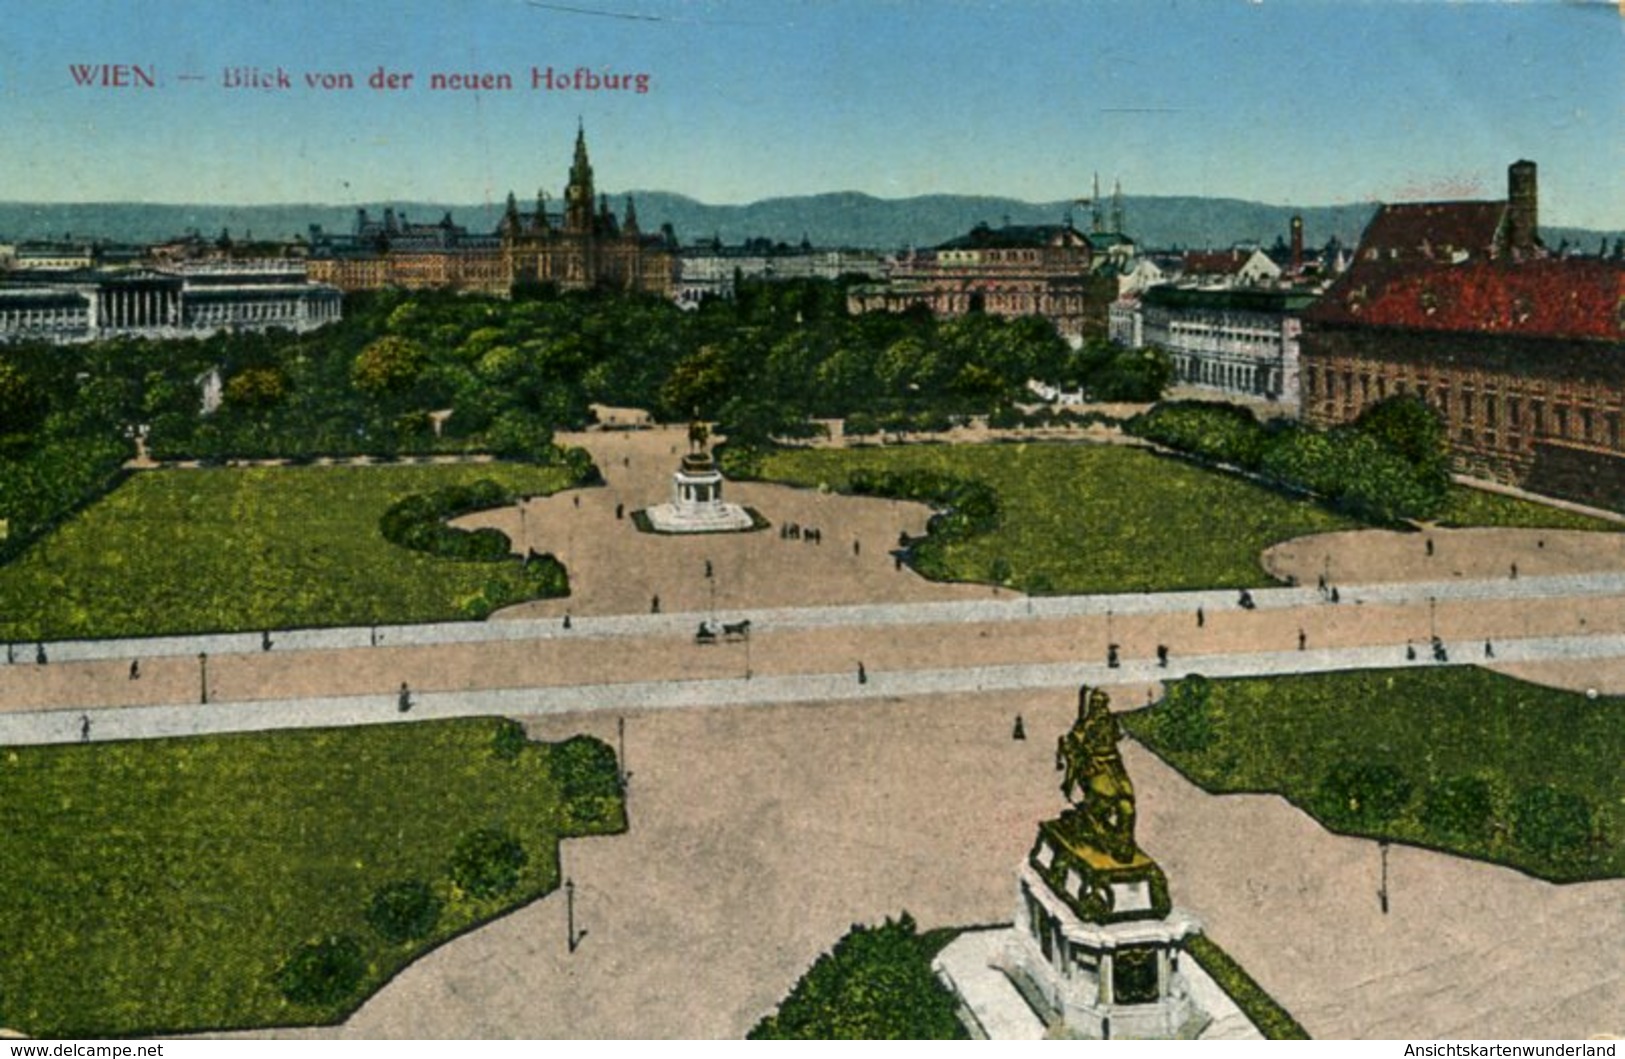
pixel 1092 518
pixel 182 551
pixel 159 886
pixel 1457 759
pixel 1465 506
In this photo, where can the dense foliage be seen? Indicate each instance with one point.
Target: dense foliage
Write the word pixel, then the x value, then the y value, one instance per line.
pixel 876 984
pixel 404 911
pixel 1389 466
pixel 323 972
pixel 1456 759
pixel 419 522
pixel 487 862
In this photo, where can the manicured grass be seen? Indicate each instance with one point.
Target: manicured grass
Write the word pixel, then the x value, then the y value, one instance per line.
pixel 1273 1021
pixel 159 886
pixel 1456 759
pixel 1465 506
pixel 1091 518
pixel 181 551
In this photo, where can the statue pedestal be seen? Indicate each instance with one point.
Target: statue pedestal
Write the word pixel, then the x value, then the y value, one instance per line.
pixel 696 502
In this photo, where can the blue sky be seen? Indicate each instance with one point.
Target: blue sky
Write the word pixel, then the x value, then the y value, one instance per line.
pixel 1289 101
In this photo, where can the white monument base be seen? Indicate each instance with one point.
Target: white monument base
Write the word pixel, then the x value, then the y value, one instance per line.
pixel 696 502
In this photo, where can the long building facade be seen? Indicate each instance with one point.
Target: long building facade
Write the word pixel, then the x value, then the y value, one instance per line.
pixel 88 305
pixel 1522 355
pixel 584 247
pixel 1053 271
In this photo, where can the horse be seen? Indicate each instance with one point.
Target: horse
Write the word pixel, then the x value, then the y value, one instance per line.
pixel 739 630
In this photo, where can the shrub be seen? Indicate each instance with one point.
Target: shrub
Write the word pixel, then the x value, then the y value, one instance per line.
pixel 322 972
pixel 418 522
pixel 1551 823
pixel 1216 431
pixel 487 863
pixel 876 984
pixel 509 740
pixel 1361 794
pixel 1460 806
pixel 404 911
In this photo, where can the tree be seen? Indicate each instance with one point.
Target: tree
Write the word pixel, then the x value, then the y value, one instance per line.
pixel 1361 794
pixel 1551 823
pixel 1460 807
pixel 323 972
pixel 487 863
pixel 256 388
pixel 404 911
pixel 23 403
pixel 388 365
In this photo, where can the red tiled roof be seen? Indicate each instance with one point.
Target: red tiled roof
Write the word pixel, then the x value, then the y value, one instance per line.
pixel 1549 298
pixel 1221 263
pixel 1432 230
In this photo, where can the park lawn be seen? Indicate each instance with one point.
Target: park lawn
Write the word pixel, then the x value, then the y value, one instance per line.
pixel 229 550
pixel 1428 727
pixel 158 886
pixel 1465 506
pixel 1092 518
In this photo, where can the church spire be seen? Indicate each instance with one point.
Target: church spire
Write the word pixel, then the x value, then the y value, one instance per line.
pixel 630 227
pixel 579 194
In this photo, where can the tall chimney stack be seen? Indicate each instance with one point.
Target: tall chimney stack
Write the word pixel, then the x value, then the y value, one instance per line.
pixel 1297 246
pixel 1523 209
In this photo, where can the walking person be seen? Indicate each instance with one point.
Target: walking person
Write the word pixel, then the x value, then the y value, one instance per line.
pixel 403 702
pixel 1201 617
pixel 135 669
pixel 265 640
pixel 1303 640
pixel 39 654
pixel 84 727
pixel 1020 731
pixel 863 674
pixel 1162 655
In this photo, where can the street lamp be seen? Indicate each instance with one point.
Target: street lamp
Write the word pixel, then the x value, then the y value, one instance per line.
pixel 203 677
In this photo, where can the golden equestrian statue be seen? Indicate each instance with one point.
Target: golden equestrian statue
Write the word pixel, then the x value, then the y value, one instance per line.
pixel 1095 781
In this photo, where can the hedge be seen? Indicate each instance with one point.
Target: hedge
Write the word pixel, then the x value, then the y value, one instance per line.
pixel 1272 1020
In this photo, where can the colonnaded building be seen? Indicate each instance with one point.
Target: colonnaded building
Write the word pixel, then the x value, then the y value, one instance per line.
pixel 1521 353
pixel 84 305
pixel 584 247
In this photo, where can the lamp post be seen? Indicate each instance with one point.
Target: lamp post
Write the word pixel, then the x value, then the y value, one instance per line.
pixel 203 678
pixel 1382 889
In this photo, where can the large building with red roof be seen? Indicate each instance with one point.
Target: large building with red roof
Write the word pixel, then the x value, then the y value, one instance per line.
pixel 1522 354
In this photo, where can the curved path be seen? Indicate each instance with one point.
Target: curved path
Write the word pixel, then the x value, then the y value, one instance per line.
pixel 776 799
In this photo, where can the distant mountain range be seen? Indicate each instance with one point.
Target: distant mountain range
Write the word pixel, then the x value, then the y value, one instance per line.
pixel 846 219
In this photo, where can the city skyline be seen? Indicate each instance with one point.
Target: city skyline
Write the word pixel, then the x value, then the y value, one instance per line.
pixel 1303 103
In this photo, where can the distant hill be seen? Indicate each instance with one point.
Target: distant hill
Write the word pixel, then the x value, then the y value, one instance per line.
pixel 846 218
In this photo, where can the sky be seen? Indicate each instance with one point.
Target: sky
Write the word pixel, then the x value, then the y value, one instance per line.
pixel 1301 102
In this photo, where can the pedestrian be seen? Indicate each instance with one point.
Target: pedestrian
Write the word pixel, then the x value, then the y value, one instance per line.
pixel 1162 655
pixel 39 654
pixel 857 549
pixel 1303 640
pixel 577 499
pixel 1020 730
pixel 1336 598
pixel 1514 571
pixel 135 669
pixel 375 636
pixel 1321 584
pixel 897 560
pixel 708 569
pixel 84 727
pixel 626 461
pixel 654 604
pixel 620 510
pixel 566 619
pixel 863 674
pixel 404 701
pixel 1201 617
pixel 1430 547
pixel 1489 649
pixel 1111 656
pixel 265 640
pixel 1410 651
